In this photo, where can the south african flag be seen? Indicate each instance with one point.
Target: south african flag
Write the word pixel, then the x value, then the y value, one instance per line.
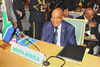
pixel 7 28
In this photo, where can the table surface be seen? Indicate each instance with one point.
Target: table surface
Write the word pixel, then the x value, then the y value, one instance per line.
pixel 9 59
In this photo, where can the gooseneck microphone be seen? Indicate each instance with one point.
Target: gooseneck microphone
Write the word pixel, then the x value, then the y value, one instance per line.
pixel 34 44
pixel 46 63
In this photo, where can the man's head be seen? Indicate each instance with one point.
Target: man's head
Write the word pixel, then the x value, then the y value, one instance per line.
pixel 56 17
pixel 89 13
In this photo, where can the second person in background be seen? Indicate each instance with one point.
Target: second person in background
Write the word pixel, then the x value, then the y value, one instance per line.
pixel 37 17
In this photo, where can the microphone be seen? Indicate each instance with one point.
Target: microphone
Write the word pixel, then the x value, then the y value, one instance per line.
pixel 34 44
pixel 46 63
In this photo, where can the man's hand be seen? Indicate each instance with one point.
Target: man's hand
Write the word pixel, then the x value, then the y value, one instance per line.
pixel 92 24
pixel 44 6
pixel 15 25
pixel 18 12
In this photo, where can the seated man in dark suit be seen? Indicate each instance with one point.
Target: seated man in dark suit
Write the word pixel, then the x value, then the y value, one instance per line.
pixel 57 30
pixel 92 23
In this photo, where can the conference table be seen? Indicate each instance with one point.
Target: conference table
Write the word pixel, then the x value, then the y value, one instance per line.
pixel 9 59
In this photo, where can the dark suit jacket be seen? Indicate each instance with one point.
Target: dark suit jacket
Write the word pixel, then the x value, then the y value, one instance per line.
pixel 94 30
pixel 17 5
pixel 35 12
pixel 67 33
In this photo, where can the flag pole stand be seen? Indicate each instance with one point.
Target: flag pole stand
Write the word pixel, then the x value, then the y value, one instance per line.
pixel 4 45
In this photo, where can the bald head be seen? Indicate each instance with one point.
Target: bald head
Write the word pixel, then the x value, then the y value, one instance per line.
pixel 58 11
pixel 89 13
pixel 57 17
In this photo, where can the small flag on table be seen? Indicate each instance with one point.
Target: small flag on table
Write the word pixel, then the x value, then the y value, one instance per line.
pixel 7 28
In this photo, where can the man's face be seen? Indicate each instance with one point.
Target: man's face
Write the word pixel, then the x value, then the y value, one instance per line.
pixel 66 13
pixel 56 18
pixel 88 16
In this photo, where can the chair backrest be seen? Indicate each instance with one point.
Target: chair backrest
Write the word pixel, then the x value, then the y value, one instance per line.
pixel 79 25
pixel 83 10
pixel 75 14
pixel 26 17
pixel 27 13
pixel 25 22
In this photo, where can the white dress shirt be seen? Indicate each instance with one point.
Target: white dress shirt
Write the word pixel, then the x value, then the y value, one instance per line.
pixel 86 20
pixel 95 7
pixel 88 32
pixel 59 34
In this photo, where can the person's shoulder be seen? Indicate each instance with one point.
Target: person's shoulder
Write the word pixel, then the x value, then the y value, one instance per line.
pixel 67 24
pixel 48 22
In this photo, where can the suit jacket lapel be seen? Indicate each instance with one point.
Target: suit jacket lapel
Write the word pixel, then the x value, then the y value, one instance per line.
pixel 62 34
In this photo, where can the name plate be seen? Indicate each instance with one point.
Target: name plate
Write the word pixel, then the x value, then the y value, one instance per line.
pixel 27 53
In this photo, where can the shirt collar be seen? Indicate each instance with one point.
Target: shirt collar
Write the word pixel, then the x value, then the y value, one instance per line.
pixel 86 19
pixel 59 25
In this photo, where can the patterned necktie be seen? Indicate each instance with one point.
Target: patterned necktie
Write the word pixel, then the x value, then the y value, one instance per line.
pixel 55 36
pixel 11 3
